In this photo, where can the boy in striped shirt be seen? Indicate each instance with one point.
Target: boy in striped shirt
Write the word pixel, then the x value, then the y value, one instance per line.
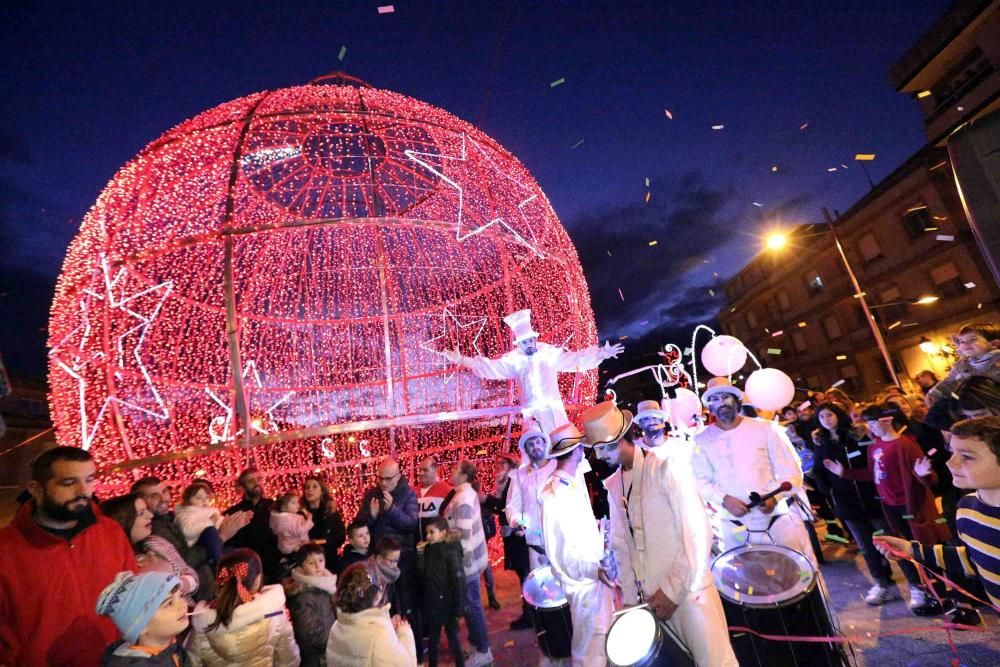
pixel 974 464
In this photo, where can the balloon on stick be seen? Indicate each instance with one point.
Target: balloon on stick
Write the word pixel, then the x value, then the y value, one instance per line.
pixel 769 389
pixel 723 355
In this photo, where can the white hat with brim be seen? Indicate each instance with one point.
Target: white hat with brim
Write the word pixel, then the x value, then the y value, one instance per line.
pixel 564 439
pixel 533 433
pixel 719 385
pixel 650 409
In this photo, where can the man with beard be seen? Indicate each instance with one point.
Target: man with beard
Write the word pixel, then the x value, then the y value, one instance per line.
pixel 523 509
pixel 256 534
pixel 738 455
pixel 651 418
pixel 55 559
pixel 536 367
pixel 660 536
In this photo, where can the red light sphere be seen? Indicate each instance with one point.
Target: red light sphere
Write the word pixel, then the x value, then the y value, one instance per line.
pixel 272 283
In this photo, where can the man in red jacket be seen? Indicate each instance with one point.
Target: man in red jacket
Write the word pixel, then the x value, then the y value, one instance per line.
pixel 55 559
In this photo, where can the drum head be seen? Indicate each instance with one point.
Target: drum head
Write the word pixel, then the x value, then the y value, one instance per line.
pixel 542 590
pixel 762 575
pixel 631 638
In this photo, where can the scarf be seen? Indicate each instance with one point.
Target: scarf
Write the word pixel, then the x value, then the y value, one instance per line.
pixel 383 573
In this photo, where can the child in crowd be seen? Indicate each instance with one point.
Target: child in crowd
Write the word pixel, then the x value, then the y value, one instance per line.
pixel 150 612
pixel 383 565
pixel 246 623
pixel 903 477
pixel 290 523
pixel 358 540
pixel 977 346
pixel 310 600
pixel 439 561
pixel 199 521
pixel 974 464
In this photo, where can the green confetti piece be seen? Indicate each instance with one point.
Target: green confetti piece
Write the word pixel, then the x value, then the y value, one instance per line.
pixel 878 532
pixel 773 350
pixel 578 143
pixel 557 82
pixel 836 538
pixel 940 520
pixel 343 52
pixel 907 516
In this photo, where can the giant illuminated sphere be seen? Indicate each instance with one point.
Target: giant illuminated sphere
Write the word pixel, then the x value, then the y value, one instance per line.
pixel 272 283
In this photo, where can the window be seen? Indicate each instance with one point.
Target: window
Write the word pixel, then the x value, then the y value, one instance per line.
pixel 772 310
pixel 783 301
pixel 918 220
pixel 869 248
pixel 832 326
pixel 815 283
pixel 751 320
pixel 947 281
pixel 799 341
pixel 890 314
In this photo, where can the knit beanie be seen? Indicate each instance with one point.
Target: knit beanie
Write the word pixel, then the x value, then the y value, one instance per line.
pixel 131 600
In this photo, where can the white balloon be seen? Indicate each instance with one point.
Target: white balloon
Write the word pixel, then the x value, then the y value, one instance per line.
pixel 769 389
pixel 723 355
pixel 684 408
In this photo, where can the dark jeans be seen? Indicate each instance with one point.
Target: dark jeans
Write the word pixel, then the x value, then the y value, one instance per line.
pixel 490 585
pixel 900 527
pixel 212 543
pixel 475 618
pixel 407 592
pixel 454 643
pixel 878 566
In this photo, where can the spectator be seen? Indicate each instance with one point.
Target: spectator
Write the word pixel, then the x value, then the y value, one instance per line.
pixel 199 521
pixel 839 397
pixel 364 635
pixel 434 493
pixel 328 524
pixel 291 524
pixel 391 510
pixel 854 502
pixel 489 532
pixel 310 594
pixel 150 612
pixel 439 560
pixel 805 422
pixel 256 534
pixel 246 623
pixel 56 557
pixel 358 540
pixel 153 553
pixel 903 478
pixel 383 565
pixel 465 517
pixel 926 381
pixel 979 397
pixel 515 549
pixel 978 355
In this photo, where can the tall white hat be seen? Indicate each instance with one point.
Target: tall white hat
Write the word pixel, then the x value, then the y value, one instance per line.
pixel 520 324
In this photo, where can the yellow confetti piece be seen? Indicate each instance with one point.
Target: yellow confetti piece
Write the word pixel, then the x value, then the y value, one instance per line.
pixel 557 82
pixel 508 643
pixel 923 93
pixel 864 157
pixel 647 197
pixel 652 243
pixel 737 595
pixel 750 591
pixel 739 529
pixel 831 169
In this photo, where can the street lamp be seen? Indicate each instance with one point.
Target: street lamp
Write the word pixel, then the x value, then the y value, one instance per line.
pixel 777 240
pixel 920 301
pixel 927 346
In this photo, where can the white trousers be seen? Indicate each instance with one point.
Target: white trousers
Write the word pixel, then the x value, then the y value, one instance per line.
pixel 549 416
pixel 700 623
pixel 591 608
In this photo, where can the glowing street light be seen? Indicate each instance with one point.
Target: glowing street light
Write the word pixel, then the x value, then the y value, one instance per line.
pixel 927 346
pixel 924 300
pixel 776 240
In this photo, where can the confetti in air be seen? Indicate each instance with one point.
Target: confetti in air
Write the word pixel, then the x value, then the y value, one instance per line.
pixel 945 237
pixel 557 82
pixel 803 126
pixel 343 52
pixel 386 9
pixel 718 127
pixel 668 114
pixel 578 143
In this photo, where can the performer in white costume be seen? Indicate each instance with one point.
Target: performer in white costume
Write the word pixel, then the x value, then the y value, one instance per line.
pixel 661 538
pixel 738 455
pixel 536 367
pixel 651 418
pixel 575 548
pixel 523 507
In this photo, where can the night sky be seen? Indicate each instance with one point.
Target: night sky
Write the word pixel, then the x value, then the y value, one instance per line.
pixel 86 87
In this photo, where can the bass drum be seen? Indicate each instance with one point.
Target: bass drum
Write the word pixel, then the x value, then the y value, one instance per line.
pixel 550 612
pixel 638 639
pixel 775 590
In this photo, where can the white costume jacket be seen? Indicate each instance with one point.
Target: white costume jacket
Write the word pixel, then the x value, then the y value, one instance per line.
pixel 523 503
pixel 537 376
pixel 575 548
pixel 662 539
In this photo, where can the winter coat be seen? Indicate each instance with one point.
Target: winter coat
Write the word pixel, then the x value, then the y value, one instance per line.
pixel 121 654
pixel 257 535
pixel 310 602
pixel 463 514
pixel 49 588
pixel 852 499
pixel 440 566
pixel 193 520
pixel 328 526
pixel 195 557
pixel 154 545
pixel 291 529
pixel 366 639
pixel 349 557
pixel 259 634
pixel 963 369
pixel 398 522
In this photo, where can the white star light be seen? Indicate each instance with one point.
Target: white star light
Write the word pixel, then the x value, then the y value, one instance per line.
pixel 250 368
pixel 74 367
pixel 427 344
pixel 459 234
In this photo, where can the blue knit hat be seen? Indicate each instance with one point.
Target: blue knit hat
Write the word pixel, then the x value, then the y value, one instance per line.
pixel 132 599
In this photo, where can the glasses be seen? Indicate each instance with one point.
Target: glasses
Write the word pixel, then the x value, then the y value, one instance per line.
pixel 389 478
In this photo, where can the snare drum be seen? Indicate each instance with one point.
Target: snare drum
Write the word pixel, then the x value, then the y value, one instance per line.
pixel 774 590
pixel 638 639
pixel 550 612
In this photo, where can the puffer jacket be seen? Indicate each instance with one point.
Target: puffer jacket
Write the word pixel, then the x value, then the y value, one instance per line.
pixel 121 654
pixel 310 602
pixel 366 639
pixel 258 635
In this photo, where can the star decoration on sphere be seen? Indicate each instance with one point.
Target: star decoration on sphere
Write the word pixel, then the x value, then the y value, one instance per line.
pixel 446 316
pixel 259 425
pixel 74 357
pixel 464 229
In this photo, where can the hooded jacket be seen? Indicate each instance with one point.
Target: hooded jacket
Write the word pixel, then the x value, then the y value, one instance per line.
pixel 310 602
pixel 49 588
pixel 440 567
pixel 366 639
pixel 258 635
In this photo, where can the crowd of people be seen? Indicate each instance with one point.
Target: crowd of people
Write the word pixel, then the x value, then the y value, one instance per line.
pixel 137 580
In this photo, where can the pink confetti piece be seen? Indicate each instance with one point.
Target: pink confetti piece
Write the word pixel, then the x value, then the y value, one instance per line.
pixel 945 237
pixel 803 126
pixel 622 296
pixel 668 114
pixel 932 452
pixel 837 383
pixel 386 9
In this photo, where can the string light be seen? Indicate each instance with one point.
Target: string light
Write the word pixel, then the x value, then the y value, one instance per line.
pixel 328 242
